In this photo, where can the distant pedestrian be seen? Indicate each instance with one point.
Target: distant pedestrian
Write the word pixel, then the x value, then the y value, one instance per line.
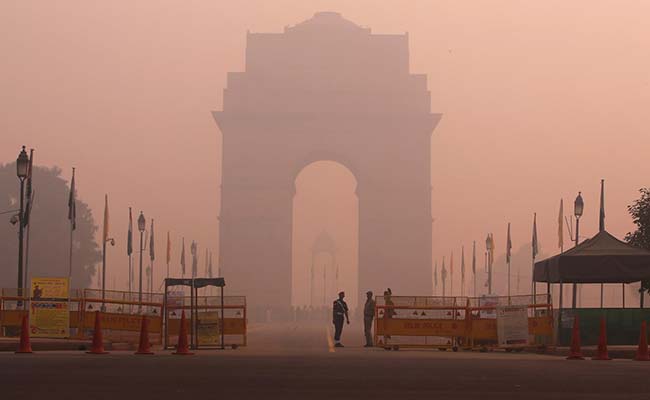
pixel 339 313
pixel 368 316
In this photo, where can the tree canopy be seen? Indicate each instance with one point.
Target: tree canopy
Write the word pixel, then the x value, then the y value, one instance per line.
pixel 49 237
pixel 640 212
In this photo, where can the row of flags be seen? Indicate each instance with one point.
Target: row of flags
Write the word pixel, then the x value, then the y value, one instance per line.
pixel 72 217
pixel 490 256
pixel 490 249
pixel 168 250
pixel 444 272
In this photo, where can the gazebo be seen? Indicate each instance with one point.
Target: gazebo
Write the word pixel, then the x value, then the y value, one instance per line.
pixel 601 259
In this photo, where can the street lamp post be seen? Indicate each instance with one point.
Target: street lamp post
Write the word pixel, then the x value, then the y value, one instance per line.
pixel 141 228
pixel 578 208
pixel 22 166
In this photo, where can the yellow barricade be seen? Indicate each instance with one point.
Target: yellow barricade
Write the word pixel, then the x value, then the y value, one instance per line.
pixel 208 320
pixel 452 322
pixel 482 320
pixel 420 322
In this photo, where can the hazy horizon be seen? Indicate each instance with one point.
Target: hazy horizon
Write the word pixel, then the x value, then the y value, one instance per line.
pixel 539 101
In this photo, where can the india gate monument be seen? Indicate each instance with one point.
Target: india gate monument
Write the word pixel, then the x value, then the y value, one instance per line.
pixel 326 89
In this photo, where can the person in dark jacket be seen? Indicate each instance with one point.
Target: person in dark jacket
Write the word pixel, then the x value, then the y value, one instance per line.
pixel 339 314
pixel 368 316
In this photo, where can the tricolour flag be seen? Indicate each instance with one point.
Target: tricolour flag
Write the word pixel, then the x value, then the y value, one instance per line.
pixel 535 244
pixel 210 267
pixel 183 258
pixel 443 273
pixel 30 192
pixel 169 249
pixel 152 250
pixel 474 258
pixel 194 250
pixel 601 219
pixel 105 230
pixel 560 226
pixel 462 262
pixel 435 275
pixel 462 271
pixel 72 204
pixel 508 246
pixel 129 236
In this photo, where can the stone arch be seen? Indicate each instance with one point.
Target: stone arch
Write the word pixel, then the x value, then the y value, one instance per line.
pixel 325 89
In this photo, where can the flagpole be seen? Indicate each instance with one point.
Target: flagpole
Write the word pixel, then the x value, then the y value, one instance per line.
pixel 104 240
pixel 508 259
pixel 474 265
pixel 462 273
pixel 443 275
pixel 486 262
pixel 451 275
pixel 72 218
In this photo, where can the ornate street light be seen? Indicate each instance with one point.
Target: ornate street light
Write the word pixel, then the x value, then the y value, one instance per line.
pixel 578 206
pixel 578 209
pixel 22 167
pixel 22 164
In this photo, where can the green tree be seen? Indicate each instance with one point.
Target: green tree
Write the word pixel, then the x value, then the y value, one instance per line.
pixel 640 212
pixel 49 230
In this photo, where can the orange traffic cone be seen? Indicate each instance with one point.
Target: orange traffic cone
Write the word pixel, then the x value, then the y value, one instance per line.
pixel 642 351
pixel 602 353
pixel 575 353
pixel 25 346
pixel 98 338
pixel 145 346
pixel 182 349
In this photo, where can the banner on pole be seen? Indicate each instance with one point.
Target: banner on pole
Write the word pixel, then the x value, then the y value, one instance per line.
pixel 49 314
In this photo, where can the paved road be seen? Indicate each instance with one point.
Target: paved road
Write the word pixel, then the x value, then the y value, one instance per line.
pixel 295 362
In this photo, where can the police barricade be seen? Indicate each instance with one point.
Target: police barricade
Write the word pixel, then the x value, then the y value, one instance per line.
pixel 510 322
pixel 208 320
pixel 420 322
pixel 13 307
pixel 121 314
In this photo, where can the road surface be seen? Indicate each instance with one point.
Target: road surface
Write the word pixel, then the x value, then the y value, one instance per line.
pixel 296 361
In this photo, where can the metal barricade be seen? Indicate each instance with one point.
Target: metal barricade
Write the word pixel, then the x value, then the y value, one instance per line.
pixel 420 322
pixel 482 320
pixel 14 307
pixel 121 315
pixel 208 320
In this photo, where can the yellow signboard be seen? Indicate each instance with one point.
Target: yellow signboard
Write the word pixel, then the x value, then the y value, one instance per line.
pixel 50 288
pixel 49 319
pixel 49 314
pixel 208 328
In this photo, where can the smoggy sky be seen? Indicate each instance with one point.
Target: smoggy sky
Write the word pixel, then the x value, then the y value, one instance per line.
pixel 540 100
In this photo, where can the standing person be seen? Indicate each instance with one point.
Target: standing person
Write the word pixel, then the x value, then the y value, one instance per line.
pixel 368 316
pixel 339 311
